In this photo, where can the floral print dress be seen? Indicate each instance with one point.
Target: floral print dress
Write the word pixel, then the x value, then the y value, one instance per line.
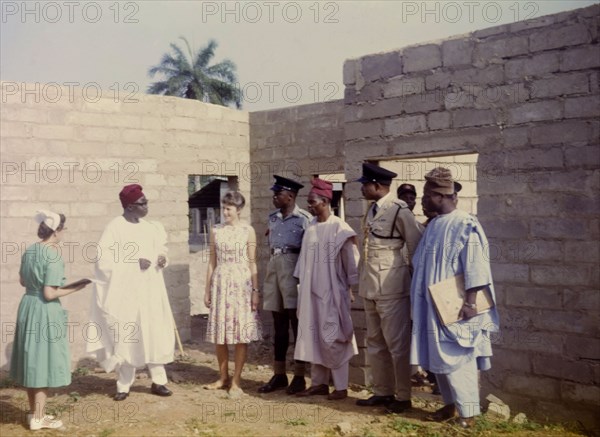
pixel 231 319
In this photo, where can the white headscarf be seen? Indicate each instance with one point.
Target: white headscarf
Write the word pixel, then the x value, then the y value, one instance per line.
pixel 51 219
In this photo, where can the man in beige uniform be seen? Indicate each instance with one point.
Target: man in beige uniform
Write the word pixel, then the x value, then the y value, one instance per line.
pixel 384 285
pixel 286 230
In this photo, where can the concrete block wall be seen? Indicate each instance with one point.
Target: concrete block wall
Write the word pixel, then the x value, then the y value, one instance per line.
pixel 412 171
pixel 74 156
pixel 524 97
pixel 297 143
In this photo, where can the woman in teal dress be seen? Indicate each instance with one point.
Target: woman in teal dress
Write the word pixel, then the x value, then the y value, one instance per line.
pixel 40 356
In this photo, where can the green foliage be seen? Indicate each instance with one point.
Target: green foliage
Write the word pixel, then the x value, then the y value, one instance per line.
pixel 81 371
pixel 404 427
pixel 56 409
pixel 189 75
pixel 7 382
pixel 106 432
pixel 196 426
pixel 296 422
pixel 368 432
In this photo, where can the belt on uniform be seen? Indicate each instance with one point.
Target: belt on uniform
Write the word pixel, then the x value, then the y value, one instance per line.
pixel 284 250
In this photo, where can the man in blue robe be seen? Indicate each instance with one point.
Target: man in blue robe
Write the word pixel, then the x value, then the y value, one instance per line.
pixel 453 243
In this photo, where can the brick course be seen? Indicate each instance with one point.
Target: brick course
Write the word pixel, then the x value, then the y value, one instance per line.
pixel 519 102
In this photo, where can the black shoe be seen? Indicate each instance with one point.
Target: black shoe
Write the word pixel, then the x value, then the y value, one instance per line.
pixel 275 383
pixel 398 407
pixel 375 400
pixel 160 390
pixel 120 396
pixel 321 389
pixel 297 385
pixel 447 412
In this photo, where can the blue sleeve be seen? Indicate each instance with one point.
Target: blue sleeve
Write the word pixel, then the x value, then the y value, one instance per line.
pixel 475 260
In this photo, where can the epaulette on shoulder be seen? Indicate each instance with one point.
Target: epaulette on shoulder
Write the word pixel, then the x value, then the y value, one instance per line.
pixel 305 214
pixel 273 212
pixel 400 203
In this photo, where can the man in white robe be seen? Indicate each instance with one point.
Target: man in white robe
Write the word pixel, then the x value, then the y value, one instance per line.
pixel 130 306
pixel 326 269
pixel 453 244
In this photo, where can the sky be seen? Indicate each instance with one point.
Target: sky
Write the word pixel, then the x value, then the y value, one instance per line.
pixel 286 52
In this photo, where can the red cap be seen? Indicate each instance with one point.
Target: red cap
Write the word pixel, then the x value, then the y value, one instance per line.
pixel 129 194
pixel 322 188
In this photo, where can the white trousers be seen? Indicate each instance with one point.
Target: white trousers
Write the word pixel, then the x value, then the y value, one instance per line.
pixel 126 376
pixel 320 375
pixel 461 388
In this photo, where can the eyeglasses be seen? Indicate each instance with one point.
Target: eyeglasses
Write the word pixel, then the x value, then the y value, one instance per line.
pixel 140 203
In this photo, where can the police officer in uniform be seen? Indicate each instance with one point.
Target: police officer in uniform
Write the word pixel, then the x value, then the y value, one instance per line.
pixel 280 289
pixel 384 285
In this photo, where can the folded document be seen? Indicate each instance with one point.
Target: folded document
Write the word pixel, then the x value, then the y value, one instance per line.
pixel 449 295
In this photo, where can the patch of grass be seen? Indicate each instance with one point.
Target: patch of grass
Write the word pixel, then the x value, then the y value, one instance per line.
pixel 368 432
pixel 404 427
pixel 57 409
pixel 192 423
pixel 7 382
pixel 81 371
pixel 329 433
pixel 433 433
pixel 296 422
pixel 486 427
pixel 483 424
pixel 196 426
pixel 74 396
pixel 106 432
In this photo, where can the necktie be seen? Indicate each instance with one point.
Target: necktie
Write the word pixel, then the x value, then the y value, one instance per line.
pixel 375 209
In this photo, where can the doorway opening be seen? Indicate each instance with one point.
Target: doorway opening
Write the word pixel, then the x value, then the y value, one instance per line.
pixel 337 203
pixel 204 201
pixel 413 170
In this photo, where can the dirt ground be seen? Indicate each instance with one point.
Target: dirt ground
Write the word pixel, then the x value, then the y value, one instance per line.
pixel 87 409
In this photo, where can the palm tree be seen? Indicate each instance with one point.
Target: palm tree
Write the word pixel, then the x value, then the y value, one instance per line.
pixel 196 79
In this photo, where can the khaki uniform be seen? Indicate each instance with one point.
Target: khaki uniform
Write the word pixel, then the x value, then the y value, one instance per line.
pixel 280 288
pixel 384 284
